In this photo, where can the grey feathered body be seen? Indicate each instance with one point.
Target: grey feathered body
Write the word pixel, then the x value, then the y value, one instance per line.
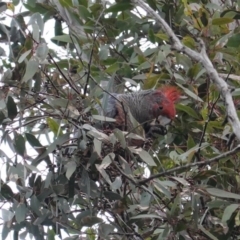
pixel 138 104
pixel 140 108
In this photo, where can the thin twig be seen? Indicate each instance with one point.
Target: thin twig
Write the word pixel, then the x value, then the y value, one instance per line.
pixel 91 54
pixel 63 75
pixel 50 80
pixel 207 122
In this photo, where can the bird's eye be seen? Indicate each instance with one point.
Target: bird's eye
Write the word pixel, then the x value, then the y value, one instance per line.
pixel 160 107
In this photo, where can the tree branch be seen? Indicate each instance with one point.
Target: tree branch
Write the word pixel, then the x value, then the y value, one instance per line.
pixel 181 168
pixel 204 60
pixel 231 76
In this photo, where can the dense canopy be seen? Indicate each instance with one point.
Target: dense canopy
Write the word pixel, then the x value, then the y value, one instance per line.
pixel 63 174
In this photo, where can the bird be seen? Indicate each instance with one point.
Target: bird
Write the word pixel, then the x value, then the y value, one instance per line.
pixel 146 108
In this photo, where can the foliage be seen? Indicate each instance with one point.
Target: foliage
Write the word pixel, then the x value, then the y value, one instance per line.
pixel 74 178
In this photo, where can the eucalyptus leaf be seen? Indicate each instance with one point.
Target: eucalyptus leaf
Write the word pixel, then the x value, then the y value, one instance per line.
pixel 31 69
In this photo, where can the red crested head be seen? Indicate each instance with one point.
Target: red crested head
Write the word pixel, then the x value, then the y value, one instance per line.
pixel 164 106
pixel 171 93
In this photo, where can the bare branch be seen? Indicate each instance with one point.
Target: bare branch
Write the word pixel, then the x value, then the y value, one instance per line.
pixel 201 57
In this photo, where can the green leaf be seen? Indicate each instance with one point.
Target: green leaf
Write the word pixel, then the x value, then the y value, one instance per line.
pixel 97 146
pixel 107 161
pixel 151 35
pixel 190 142
pixel 151 82
pixel 146 157
pixel 189 42
pixel 36 205
pixel 162 36
pixel 159 186
pixel 234 41
pixel 113 68
pixel 58 189
pixel 145 199
pixel 121 6
pixel 5 231
pixel 189 154
pixel 19 144
pixel 83 12
pixel 37 18
pixel 7 192
pixel 117 183
pixel 103 173
pixel 234 14
pixel 54 126
pixel 91 233
pixel 36 32
pixel 33 141
pixel 42 51
pixel 125 166
pixel 221 21
pixel 20 213
pixel 187 110
pixel 12 108
pixel 120 137
pixel 222 193
pixel 48 179
pixel 103 118
pixel 144 65
pixel 112 196
pixel 66 3
pixel 24 55
pixel 104 230
pixel 189 93
pixel 63 38
pixel 181 180
pixel 217 203
pixel 31 69
pixel 51 234
pixel 193 71
pixel 83 2
pixel 229 210
pixel 71 167
pixel 38 80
